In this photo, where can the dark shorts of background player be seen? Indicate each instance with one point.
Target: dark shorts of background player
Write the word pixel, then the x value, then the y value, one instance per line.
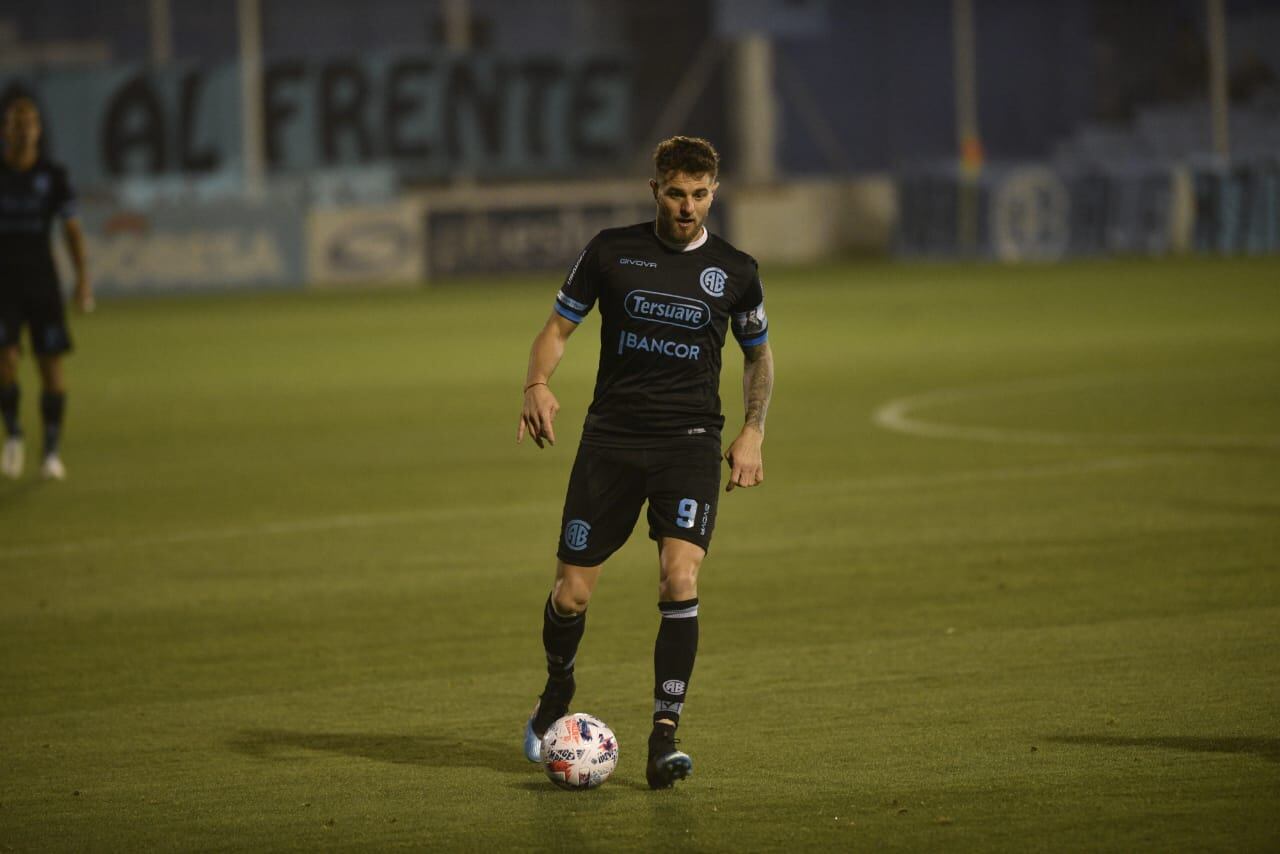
pixel 40 308
pixel 679 479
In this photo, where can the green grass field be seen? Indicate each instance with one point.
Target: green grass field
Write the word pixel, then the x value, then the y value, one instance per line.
pixel 1013 582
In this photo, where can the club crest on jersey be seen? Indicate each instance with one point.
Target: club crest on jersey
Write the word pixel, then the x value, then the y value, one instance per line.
pixel 41 183
pixel 668 308
pixel 713 280
pixel 576 534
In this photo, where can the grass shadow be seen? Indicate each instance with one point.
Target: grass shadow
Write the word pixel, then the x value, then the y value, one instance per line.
pixel 1269 510
pixel 1267 748
pixel 16 490
pixel 429 751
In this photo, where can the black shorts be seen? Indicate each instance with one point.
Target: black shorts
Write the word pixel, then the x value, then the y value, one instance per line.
pixel 680 480
pixel 40 308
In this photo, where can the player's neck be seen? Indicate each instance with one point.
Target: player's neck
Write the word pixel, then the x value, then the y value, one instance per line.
pixel 682 247
pixel 20 160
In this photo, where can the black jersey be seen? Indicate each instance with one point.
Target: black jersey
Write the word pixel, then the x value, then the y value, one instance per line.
pixel 28 203
pixel 664 315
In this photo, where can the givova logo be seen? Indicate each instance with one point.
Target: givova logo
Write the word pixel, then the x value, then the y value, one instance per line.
pixel 668 308
pixel 576 534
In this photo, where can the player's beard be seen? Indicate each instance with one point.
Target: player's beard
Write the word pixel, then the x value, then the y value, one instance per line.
pixel 21 150
pixel 672 230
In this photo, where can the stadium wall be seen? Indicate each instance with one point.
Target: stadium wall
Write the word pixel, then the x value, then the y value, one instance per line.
pixel 183 247
pixel 428 116
pixel 1044 212
pixel 811 219
pixel 362 245
pixel 1026 212
pixel 522 227
pixel 165 244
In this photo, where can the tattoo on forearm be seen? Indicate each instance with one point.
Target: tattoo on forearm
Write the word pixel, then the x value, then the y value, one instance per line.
pixel 757 385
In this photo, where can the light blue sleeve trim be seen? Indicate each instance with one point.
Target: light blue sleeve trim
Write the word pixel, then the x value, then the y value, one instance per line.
pixel 564 312
pixel 573 303
pixel 755 342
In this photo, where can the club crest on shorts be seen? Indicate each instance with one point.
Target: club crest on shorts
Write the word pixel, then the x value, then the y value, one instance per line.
pixel 576 533
pixel 713 280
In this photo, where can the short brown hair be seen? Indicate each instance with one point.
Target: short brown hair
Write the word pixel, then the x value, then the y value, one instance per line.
pixel 691 155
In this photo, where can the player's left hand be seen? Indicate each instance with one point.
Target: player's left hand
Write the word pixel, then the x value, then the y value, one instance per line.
pixel 84 295
pixel 745 460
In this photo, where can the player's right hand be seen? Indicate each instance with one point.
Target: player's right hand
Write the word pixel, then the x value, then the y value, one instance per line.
pixel 538 415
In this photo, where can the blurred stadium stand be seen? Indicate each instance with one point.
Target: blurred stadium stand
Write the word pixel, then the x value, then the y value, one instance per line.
pixel 398 135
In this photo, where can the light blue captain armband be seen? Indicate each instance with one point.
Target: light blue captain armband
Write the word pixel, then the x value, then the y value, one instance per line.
pixel 751 328
pixel 570 308
pixel 566 313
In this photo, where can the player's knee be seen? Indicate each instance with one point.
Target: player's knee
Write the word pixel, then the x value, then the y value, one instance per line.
pixel 679 580
pixel 677 588
pixel 51 373
pixel 571 596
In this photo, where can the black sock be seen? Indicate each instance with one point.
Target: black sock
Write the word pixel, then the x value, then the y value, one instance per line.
pixel 560 638
pixel 673 655
pixel 9 410
pixel 52 405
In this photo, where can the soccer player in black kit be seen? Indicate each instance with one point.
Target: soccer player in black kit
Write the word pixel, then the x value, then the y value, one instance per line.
pixel 668 292
pixel 32 192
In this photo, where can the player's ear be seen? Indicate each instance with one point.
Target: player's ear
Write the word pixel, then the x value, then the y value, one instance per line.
pixel 653 185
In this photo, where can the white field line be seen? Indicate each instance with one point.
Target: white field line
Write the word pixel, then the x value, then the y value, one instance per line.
pixel 896 415
pixel 347 521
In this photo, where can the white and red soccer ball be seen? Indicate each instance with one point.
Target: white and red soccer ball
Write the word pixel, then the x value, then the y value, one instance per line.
pixel 579 752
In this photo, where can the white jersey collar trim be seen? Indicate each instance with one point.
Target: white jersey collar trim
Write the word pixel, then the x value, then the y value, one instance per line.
pixel 696 243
